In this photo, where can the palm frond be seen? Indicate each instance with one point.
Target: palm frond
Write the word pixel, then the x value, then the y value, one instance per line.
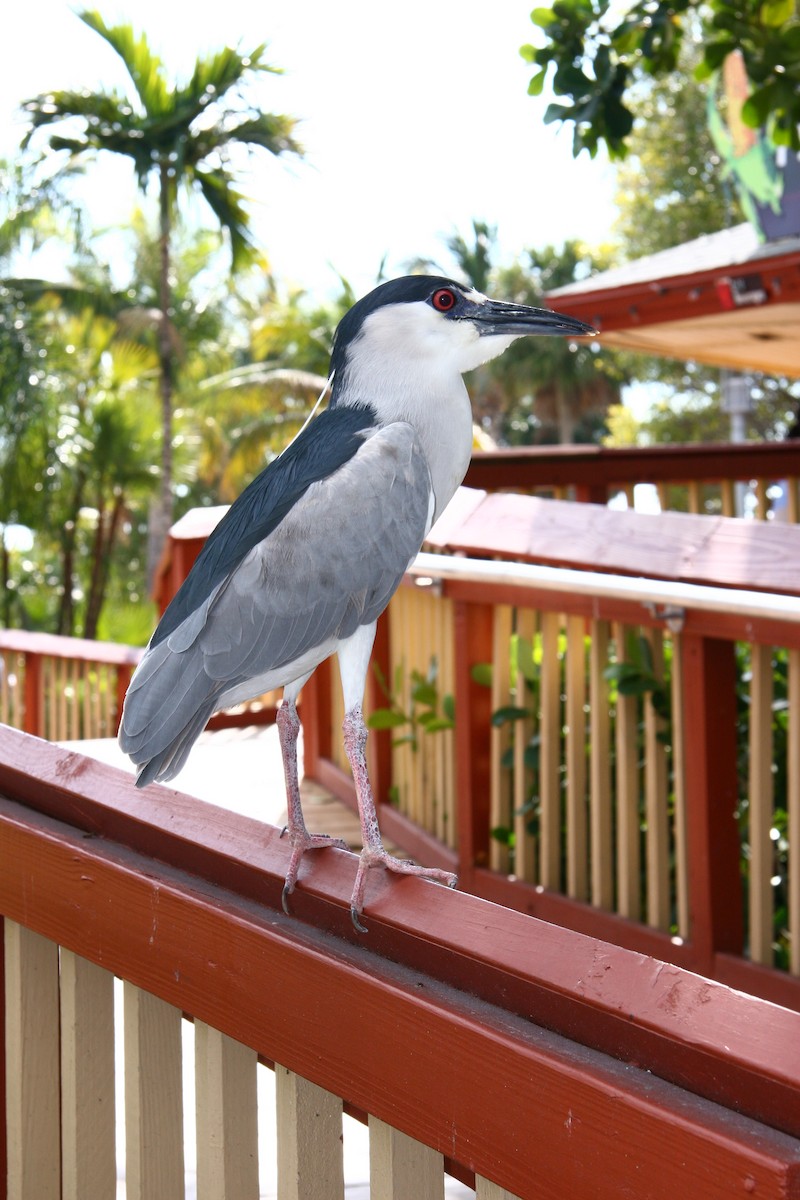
pixel 144 67
pixel 227 206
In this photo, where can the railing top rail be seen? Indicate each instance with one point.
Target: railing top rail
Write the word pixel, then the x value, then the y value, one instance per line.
pixel 54 645
pixel 648 592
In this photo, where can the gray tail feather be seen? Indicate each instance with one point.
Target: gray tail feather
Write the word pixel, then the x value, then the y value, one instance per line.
pixel 166 764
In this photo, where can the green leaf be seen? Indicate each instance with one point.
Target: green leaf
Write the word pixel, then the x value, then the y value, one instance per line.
pixel 543 17
pixel 438 724
pixel 386 718
pixel 481 674
pixel 509 712
pixel 424 693
pixel 536 84
pixel 504 835
pixel 449 706
pixel 777 12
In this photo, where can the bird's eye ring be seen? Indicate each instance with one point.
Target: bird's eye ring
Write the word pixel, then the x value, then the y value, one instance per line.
pixel 443 300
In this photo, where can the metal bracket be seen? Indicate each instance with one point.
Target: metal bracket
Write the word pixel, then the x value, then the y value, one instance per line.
pixel 673 616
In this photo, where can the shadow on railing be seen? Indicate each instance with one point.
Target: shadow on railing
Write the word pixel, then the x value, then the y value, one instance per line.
pixel 471 1038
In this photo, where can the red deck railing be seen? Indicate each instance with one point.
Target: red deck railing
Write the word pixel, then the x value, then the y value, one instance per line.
pixel 539 1058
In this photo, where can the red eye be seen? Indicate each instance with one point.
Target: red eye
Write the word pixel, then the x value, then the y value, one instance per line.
pixel 443 300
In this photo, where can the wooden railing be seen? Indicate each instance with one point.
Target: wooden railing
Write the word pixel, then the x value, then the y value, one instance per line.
pixel 524 1059
pixel 628 763
pixel 691 478
pixel 63 688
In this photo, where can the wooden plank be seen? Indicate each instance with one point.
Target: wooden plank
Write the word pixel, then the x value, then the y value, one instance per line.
pixel 629 901
pixel 575 757
pixel 760 794
pixel 601 831
pixel 711 797
pixel 525 844
pixel 656 798
pixel 793 801
pixel 401 1167
pixel 486 1190
pixel 309 1128
pixel 153 1095
pixel 550 754
pixel 32 1065
pixel 500 814
pixel 227 1116
pixel 680 546
pixel 473 625
pixel 88 1131
pixel 679 787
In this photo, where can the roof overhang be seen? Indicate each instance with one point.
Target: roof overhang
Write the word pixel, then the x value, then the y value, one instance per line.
pixel 719 300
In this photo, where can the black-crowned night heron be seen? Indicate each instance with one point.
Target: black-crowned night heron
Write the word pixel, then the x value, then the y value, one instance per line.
pixel 307 558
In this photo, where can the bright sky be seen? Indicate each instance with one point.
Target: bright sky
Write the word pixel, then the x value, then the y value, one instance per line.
pixel 414 116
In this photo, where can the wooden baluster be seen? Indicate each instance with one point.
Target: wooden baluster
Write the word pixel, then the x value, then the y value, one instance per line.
pixel 88 1131
pixel 577 843
pixel 401 1167
pixel 32 1065
pixel 486 1190
pixel 656 800
pixel 500 815
pixel 760 789
pixel 227 1116
pixel 793 805
pixel 309 1127
pixel 550 754
pixel 629 888
pixel 153 1098
pixel 679 788
pixel 601 826
pixel 525 844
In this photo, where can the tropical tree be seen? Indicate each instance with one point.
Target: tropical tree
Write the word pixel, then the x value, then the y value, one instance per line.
pixel 174 134
pixel 601 51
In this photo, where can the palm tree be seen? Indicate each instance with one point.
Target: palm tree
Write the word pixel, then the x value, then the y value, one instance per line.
pixel 176 134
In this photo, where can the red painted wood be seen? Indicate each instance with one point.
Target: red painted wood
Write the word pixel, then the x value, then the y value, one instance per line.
pixel 380 740
pixel 734 1048
pixel 3 1093
pixel 711 783
pixel 473 632
pixel 33 716
pixel 53 645
pixel 528 467
pixel 543 1116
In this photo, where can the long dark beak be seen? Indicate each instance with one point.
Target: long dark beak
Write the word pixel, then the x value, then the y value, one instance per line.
pixel 514 320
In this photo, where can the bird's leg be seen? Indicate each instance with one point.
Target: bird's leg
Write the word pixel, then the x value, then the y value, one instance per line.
pixel 301 840
pixel 373 854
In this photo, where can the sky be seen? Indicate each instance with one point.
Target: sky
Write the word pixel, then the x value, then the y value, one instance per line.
pixel 414 119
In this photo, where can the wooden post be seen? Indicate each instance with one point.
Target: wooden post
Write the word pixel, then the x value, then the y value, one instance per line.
pixel 32 717
pixel 400 1166
pixel 713 851
pixel 473 629
pixel 309 1129
pixel 315 715
pixel 380 740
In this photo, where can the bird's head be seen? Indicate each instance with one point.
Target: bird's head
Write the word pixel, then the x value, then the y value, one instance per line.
pixel 434 324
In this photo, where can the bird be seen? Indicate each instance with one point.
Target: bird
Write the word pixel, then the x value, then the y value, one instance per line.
pixel 309 555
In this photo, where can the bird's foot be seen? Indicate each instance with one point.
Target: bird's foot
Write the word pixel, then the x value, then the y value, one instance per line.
pixel 378 857
pixel 301 841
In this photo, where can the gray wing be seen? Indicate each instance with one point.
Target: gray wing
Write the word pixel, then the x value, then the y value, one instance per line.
pixel 331 565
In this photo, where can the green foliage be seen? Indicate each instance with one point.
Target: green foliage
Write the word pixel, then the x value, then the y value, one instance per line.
pixel 598 52
pixel 427 711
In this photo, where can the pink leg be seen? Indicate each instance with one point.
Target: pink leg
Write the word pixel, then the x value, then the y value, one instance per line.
pixel 373 854
pixel 301 840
